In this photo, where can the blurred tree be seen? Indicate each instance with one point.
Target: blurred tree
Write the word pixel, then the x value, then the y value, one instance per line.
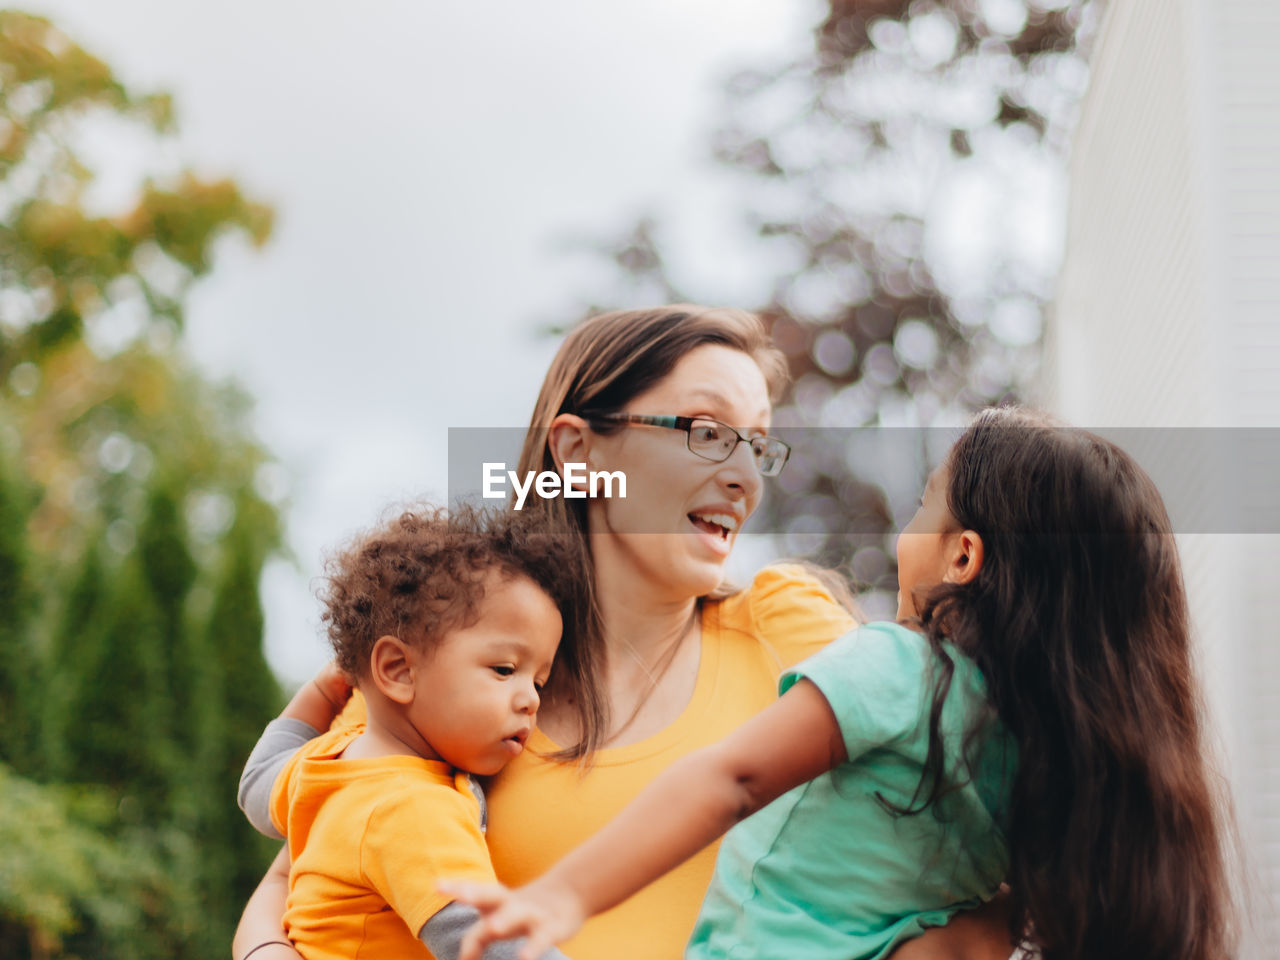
pixel 235 851
pixel 132 536
pixel 61 266
pixel 62 870
pixel 884 172
pixel 18 664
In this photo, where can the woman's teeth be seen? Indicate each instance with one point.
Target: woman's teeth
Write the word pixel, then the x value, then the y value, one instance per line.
pixel 721 524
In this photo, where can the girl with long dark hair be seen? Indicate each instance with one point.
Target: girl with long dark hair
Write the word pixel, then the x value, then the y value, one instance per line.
pixel 1033 719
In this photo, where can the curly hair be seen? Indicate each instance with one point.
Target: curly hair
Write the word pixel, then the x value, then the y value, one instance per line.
pixel 422 573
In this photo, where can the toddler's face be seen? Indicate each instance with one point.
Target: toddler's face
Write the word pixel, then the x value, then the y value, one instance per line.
pixel 922 555
pixel 477 690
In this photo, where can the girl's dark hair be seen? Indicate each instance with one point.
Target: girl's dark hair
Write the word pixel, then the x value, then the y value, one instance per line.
pixel 1078 620
pixel 423 571
pixel 600 367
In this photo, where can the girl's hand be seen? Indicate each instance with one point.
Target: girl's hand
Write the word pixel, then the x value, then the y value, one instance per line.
pixel 543 913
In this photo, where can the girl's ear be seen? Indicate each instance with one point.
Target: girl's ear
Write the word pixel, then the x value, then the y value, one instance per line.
pixel 964 557
pixel 569 440
pixel 391 669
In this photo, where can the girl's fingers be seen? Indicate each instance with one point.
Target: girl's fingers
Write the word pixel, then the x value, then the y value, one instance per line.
pixel 500 925
pixel 472 944
pixel 476 939
pixel 534 947
pixel 503 916
pixel 508 923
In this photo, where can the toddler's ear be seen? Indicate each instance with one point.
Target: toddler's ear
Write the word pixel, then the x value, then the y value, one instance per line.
pixel 964 557
pixel 390 669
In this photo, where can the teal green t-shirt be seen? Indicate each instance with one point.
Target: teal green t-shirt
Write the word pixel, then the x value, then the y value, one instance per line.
pixel 825 872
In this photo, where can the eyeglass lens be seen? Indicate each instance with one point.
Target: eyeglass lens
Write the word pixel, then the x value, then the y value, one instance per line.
pixel 716 442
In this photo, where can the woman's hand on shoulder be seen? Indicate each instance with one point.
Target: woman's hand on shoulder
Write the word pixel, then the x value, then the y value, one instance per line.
pixel 318 702
pixel 333 685
pixel 545 914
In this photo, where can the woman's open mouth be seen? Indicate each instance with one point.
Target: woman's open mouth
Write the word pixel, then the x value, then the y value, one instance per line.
pixel 716 528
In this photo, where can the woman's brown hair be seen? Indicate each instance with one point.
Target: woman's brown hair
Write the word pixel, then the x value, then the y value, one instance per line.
pixel 1078 620
pixel 600 367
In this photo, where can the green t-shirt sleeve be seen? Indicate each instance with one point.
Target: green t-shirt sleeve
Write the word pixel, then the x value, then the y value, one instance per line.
pixel 876 680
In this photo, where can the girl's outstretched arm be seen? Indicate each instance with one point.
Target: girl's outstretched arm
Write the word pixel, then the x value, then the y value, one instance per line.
pixel 695 801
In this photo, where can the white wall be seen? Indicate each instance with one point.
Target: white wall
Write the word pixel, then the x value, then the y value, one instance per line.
pixel 1168 315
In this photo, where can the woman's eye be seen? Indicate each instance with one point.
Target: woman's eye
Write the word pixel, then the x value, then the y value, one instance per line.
pixel 503 669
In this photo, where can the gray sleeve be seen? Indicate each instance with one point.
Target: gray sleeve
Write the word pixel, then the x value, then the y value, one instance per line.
pixel 278 743
pixel 443 936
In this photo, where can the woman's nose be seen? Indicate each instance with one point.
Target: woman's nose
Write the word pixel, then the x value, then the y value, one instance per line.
pixel 740 472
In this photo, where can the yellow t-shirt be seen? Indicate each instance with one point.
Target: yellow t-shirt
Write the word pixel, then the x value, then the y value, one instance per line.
pixel 369 834
pixel 539 810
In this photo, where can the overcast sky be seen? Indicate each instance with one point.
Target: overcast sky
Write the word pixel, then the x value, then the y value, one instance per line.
pixel 424 159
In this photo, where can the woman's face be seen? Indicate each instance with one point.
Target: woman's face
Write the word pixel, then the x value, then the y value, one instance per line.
pixel 682 513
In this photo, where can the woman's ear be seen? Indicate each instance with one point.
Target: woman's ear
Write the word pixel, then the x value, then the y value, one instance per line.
pixel 569 440
pixel 391 669
pixel 964 557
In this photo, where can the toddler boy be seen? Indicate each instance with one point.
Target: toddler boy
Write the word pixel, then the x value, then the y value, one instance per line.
pixel 448 624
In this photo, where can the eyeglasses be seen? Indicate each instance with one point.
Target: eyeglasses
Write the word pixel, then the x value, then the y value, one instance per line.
pixel 711 439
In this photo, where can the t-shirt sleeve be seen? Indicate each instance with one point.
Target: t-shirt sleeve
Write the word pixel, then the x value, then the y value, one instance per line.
pixel 353 713
pixel 415 838
pixel 286 777
pixel 876 681
pixel 282 738
pixel 793 612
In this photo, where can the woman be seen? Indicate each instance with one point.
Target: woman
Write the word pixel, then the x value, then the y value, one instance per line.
pixel 680 400
pixel 678 659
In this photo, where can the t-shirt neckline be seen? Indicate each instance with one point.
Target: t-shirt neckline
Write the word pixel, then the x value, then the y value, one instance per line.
pixel 676 731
